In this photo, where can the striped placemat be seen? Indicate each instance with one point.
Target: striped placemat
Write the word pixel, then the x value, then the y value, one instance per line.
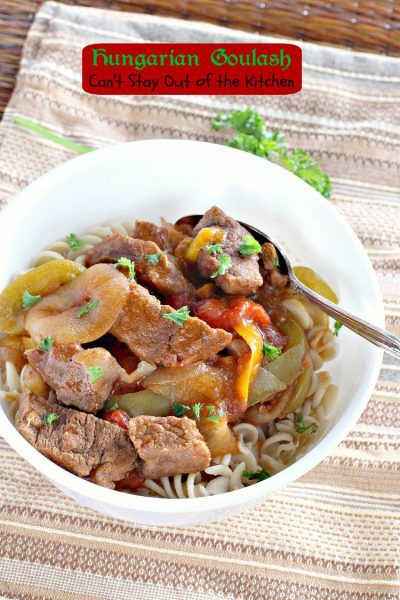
pixel 333 535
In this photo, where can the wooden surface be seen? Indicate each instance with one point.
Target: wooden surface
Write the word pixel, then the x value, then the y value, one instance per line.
pixel 368 25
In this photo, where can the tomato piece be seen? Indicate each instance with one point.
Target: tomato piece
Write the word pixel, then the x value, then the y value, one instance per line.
pixel 131 481
pixel 124 356
pixel 213 311
pixel 179 300
pixel 118 417
pixel 229 312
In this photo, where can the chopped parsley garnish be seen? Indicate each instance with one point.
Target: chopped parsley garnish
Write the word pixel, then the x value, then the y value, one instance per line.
pixel 113 406
pixel 126 262
pixel 86 309
pixel 28 300
pixel 46 343
pixel 249 246
pixel 95 373
pixel 252 135
pixel 302 427
pixel 153 259
pixel 224 263
pixel 214 249
pixel 49 418
pixel 179 409
pixel 179 316
pixel 196 410
pixel 271 352
pixel 212 415
pixel 74 242
pixel 336 328
pixel 256 475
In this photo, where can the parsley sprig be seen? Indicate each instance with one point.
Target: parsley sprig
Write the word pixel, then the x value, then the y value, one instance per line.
pixel 214 249
pixel 95 373
pixel 301 427
pixel 253 136
pixel 28 300
pixel 179 409
pixel 336 328
pixel 196 410
pixel 49 418
pixel 271 352
pixel 86 309
pixel 179 316
pixel 153 259
pixel 249 246
pixel 46 343
pixel 225 262
pixel 74 242
pixel 260 475
pixel 212 415
pixel 129 264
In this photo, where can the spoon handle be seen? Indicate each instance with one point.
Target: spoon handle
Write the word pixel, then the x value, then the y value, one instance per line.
pixel 377 336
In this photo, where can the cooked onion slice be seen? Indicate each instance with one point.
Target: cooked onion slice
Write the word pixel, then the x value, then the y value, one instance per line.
pixel 80 311
pixel 40 281
pixel 144 402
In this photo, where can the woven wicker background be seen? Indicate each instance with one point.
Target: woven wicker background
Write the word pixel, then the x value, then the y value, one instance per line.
pixel 363 25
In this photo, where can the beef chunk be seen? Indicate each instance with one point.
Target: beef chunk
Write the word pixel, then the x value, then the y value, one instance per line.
pixel 272 274
pixel 142 327
pixel 166 238
pixel 81 443
pixel 66 369
pixel 243 277
pixel 168 445
pixel 164 276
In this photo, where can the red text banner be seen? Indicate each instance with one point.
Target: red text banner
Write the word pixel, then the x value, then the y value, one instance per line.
pixel 152 69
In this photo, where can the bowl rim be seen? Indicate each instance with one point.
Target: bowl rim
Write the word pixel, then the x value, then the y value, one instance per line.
pixel 254 493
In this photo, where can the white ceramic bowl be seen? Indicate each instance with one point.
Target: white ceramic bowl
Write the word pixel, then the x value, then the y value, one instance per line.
pixel 149 179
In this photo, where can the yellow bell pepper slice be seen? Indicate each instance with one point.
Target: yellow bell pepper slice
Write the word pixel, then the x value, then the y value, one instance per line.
pixel 252 336
pixel 28 343
pixel 315 282
pixel 39 281
pixel 207 235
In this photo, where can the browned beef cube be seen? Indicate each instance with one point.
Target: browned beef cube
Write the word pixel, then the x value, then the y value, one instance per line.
pixel 243 276
pixel 81 443
pixel 142 326
pixel 144 230
pixel 168 445
pixel 67 369
pixel 272 274
pixel 163 276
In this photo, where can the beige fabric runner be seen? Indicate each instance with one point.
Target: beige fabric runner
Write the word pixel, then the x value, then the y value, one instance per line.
pixel 333 535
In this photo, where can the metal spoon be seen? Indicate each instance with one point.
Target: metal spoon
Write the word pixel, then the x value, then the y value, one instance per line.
pixel 389 342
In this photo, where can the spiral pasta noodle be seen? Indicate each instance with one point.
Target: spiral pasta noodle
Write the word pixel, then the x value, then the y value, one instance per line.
pixel 90 238
pixel 10 387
